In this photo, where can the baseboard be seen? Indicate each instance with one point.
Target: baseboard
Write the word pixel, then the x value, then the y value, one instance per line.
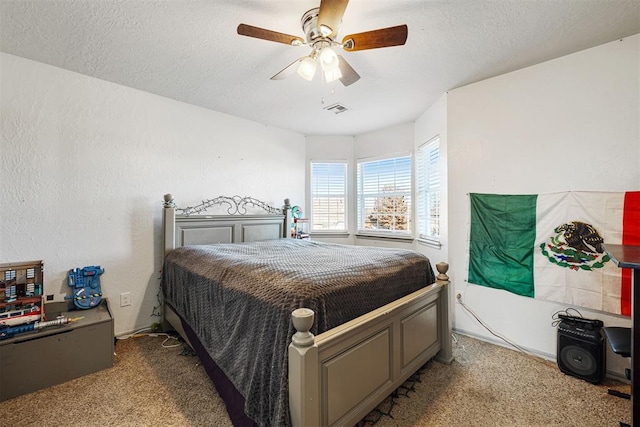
pixel 616 376
pixel 547 356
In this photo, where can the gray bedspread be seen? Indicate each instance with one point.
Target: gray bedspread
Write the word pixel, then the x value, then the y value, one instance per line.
pixel 238 299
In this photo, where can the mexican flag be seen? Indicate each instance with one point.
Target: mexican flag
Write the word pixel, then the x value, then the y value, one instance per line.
pixel 551 246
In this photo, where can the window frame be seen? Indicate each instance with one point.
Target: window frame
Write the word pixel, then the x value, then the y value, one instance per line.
pixel 361 198
pixel 343 195
pixel 425 188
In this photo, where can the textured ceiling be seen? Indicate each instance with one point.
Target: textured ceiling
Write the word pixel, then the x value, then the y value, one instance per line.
pixel 190 51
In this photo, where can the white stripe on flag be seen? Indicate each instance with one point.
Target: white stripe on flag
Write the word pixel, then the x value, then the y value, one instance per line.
pixel 599 288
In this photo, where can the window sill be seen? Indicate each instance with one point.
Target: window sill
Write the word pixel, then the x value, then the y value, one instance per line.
pixel 384 237
pixel 337 234
pixel 430 243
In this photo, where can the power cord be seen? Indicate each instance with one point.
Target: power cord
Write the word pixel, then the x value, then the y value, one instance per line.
pixel 488 328
pixel 462 357
pixel 143 332
pixel 568 312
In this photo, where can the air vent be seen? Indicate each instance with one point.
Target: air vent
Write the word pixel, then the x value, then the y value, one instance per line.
pixel 337 108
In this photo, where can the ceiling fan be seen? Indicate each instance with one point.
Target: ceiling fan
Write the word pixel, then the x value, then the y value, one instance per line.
pixel 320 26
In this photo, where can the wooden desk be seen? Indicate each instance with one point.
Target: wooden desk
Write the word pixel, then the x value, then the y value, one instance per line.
pixel 626 256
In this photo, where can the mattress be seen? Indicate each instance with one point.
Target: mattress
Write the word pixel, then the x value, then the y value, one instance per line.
pixel 238 298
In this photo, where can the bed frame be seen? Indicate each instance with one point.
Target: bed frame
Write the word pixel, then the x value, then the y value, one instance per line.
pixel 339 376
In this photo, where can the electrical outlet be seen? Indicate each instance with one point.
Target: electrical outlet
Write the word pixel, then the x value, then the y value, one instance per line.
pixel 459 296
pixel 125 299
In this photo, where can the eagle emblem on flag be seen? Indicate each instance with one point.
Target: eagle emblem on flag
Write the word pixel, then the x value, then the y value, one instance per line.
pixel 576 245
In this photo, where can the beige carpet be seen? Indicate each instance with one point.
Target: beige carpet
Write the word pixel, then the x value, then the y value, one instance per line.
pixel 486 385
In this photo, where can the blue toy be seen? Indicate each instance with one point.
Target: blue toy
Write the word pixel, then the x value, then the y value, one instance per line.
pixel 86 284
pixel 9 331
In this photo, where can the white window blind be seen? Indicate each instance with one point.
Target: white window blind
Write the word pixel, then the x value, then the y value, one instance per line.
pixel 384 196
pixel 428 160
pixel 328 196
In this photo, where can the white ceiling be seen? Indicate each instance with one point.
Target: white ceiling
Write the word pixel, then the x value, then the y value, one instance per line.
pixel 189 50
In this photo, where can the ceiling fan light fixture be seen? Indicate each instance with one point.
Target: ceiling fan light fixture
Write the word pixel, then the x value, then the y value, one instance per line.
pixel 330 64
pixel 328 58
pixel 332 74
pixel 325 30
pixel 307 68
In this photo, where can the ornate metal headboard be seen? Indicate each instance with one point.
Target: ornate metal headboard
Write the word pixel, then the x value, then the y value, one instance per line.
pixel 246 219
pixel 237 205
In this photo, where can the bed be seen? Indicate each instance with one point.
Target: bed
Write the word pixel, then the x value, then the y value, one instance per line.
pixel 284 327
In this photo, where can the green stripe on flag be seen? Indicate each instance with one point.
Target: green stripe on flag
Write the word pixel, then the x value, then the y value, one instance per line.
pixel 502 239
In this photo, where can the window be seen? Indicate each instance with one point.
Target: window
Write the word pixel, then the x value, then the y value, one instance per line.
pixel 384 196
pixel 328 197
pixel 429 190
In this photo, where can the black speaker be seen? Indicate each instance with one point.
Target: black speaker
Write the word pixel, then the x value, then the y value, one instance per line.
pixel 581 350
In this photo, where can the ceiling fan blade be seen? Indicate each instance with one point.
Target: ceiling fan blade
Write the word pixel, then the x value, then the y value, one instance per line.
pixel 330 15
pixel 349 75
pixel 384 37
pixel 261 33
pixel 288 70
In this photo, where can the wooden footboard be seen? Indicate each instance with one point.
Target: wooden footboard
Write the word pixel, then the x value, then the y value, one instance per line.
pixel 339 376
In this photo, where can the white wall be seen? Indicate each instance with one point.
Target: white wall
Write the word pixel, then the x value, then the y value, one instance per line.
pixel 431 124
pixel 85 164
pixel 332 149
pixel 567 124
pixel 399 139
pixel 394 140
